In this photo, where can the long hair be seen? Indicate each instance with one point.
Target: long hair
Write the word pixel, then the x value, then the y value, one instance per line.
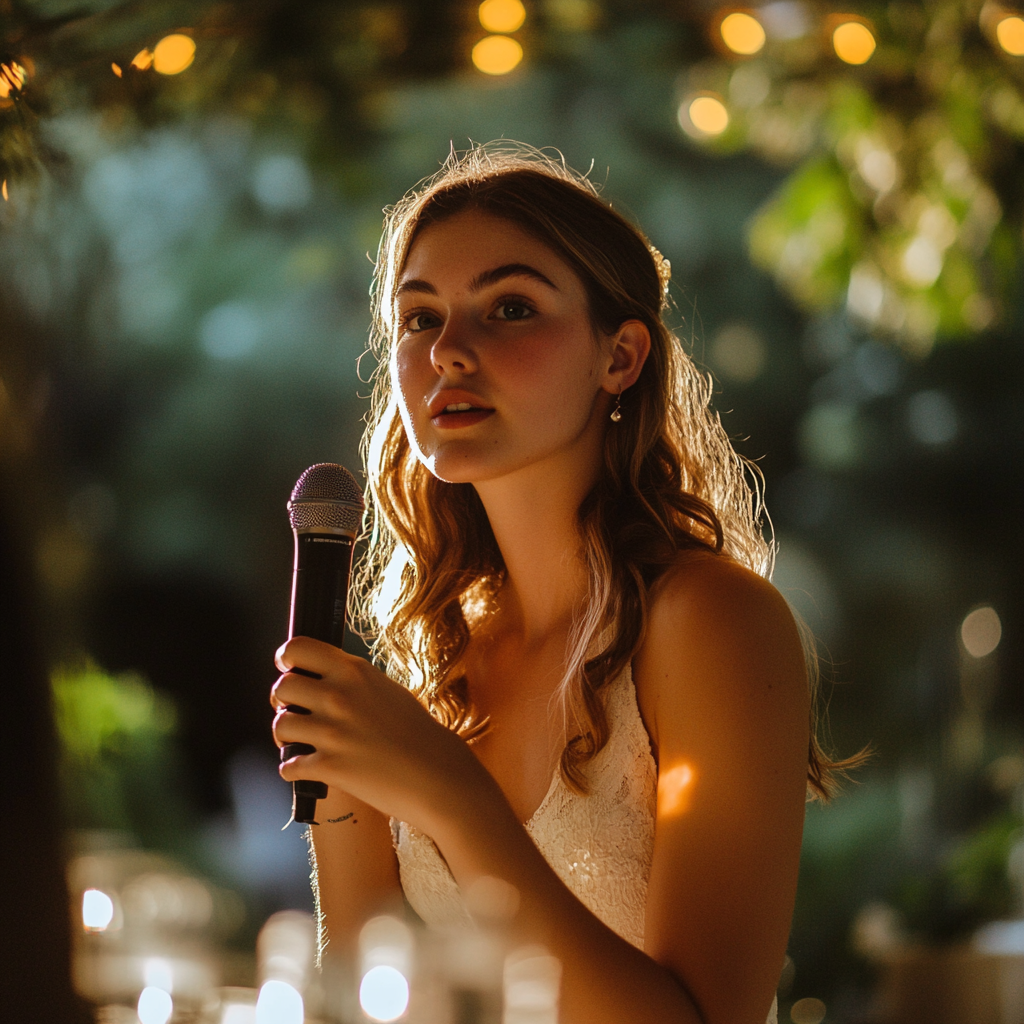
pixel 671 479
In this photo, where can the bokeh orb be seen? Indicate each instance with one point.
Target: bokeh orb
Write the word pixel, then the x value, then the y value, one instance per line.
pixel 502 15
pixel 384 993
pixel 742 33
pixel 708 115
pixel 981 631
pixel 853 42
pixel 497 55
pixel 173 54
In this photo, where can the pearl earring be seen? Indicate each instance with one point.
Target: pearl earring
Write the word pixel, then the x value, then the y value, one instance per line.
pixel 617 411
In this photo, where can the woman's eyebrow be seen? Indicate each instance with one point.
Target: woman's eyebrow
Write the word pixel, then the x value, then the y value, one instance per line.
pixel 489 277
pixel 482 280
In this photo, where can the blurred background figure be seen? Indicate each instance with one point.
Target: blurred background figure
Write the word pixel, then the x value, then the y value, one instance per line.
pixel 190 194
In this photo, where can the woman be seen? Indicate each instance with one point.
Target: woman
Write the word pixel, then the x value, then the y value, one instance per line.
pixel 568 577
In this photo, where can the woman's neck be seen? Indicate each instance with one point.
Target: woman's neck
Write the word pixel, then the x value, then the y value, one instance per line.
pixel 535 525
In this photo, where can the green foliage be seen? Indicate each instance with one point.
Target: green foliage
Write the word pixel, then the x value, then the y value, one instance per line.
pixel 967 887
pixel 810 235
pixel 923 145
pixel 101 716
pixel 117 764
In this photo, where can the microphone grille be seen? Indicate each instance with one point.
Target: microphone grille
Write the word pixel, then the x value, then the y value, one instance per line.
pixel 326 496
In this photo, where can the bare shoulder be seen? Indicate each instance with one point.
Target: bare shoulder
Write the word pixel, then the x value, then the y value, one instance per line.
pixel 720 640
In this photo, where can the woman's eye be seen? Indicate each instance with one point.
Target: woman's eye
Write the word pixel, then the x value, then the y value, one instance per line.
pixel 513 311
pixel 420 321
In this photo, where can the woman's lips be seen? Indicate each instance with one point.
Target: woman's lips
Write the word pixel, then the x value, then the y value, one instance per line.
pixel 454 420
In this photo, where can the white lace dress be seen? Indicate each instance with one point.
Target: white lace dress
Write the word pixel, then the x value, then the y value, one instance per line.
pixel 600 845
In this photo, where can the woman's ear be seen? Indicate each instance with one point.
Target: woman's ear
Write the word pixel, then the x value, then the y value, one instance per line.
pixel 628 349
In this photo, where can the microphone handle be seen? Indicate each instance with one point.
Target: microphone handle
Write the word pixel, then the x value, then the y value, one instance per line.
pixel 323 562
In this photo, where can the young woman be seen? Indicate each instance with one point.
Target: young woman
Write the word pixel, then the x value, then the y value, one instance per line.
pixel 591 690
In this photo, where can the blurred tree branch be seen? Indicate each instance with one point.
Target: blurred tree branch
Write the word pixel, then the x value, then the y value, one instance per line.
pixel 905 202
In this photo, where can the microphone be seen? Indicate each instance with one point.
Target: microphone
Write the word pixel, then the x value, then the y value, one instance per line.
pixel 325 511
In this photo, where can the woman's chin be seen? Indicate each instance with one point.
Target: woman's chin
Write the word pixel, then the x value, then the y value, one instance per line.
pixel 464 467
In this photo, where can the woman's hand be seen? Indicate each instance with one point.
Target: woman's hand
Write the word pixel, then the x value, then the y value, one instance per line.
pixel 373 738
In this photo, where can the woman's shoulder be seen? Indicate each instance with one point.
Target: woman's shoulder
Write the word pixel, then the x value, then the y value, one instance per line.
pixel 720 635
pixel 705 590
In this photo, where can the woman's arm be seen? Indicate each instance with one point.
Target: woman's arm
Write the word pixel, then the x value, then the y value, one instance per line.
pixel 722 685
pixel 354 869
pixel 355 872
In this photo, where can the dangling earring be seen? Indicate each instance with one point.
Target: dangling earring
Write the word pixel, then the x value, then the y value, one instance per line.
pixel 617 411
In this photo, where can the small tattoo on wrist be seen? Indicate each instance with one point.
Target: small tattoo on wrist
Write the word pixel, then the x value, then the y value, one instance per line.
pixel 344 817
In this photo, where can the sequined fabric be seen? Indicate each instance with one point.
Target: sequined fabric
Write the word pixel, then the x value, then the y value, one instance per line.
pixel 600 845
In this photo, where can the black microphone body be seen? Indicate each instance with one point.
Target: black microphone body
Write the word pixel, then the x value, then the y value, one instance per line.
pixel 325 510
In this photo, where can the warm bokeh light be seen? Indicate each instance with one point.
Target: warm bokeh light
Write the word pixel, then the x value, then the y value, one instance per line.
pixel 981 631
pixel 742 33
pixel 708 115
pixel 674 789
pixel 116 68
pixel 502 15
pixel 143 59
pixel 279 1003
pixel 12 78
pixel 3 190
pixel 173 54
pixel 807 1011
pixel 383 993
pixel 1010 35
pixel 497 55
pixel 155 1006
pixel 97 906
pixel 853 42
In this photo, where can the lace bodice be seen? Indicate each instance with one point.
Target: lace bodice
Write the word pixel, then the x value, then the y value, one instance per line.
pixel 600 845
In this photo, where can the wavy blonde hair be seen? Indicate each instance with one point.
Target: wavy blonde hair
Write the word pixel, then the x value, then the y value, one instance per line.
pixel 671 481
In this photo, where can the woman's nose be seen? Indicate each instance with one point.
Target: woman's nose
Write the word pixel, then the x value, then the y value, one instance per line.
pixel 453 349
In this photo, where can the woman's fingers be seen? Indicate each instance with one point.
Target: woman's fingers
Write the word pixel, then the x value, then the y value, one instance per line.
pixel 294 727
pixel 313 656
pixel 314 767
pixel 302 691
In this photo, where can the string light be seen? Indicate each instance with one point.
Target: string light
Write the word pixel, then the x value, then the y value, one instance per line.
pixel 502 15
pixel 3 190
pixel 853 42
pixel 742 33
pixel 143 60
pixel 116 68
pixel 1010 35
pixel 173 54
pixel 704 115
pixel 497 55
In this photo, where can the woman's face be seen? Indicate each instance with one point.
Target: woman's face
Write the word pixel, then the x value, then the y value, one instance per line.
pixel 496 365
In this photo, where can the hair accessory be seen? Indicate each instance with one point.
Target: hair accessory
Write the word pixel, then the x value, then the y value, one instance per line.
pixel 664 269
pixel 617 411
